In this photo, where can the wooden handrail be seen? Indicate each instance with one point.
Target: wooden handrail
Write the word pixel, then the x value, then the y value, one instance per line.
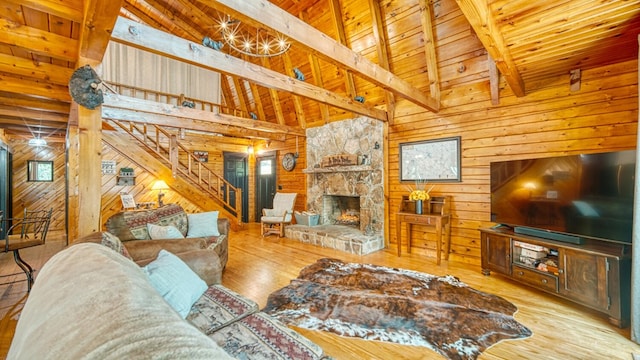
pixel 182 161
pixel 177 100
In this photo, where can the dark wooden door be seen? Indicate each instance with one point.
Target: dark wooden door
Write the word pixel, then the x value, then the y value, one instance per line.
pixel 235 172
pixel 5 185
pixel 265 182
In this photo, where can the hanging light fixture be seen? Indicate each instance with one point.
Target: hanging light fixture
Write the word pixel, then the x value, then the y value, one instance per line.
pixel 37 141
pixel 262 45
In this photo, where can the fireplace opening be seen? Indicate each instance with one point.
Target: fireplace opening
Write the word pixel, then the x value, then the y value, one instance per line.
pixel 342 210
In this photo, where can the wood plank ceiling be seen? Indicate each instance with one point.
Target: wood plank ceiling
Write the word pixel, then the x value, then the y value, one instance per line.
pixel 384 51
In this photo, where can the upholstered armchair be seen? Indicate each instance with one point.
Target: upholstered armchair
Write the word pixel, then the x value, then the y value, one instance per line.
pixel 273 220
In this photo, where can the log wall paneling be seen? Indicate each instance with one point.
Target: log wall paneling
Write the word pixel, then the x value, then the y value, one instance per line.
pixel 39 195
pixel 601 117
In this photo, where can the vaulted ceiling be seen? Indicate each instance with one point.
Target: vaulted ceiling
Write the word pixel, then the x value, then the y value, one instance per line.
pixel 383 52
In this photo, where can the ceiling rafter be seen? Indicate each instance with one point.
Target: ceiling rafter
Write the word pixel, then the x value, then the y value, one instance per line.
pixel 329 49
pixel 38 41
pixel 426 16
pixel 484 24
pixel 149 39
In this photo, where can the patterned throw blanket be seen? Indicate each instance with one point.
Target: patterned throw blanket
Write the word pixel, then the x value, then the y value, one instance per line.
pixel 395 305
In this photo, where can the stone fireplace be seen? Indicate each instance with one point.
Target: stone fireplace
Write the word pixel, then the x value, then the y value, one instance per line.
pixel 348 198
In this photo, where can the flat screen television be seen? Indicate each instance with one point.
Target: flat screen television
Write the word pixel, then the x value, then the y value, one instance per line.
pixel 569 198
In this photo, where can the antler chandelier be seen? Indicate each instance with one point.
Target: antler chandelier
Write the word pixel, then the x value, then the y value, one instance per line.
pixel 262 45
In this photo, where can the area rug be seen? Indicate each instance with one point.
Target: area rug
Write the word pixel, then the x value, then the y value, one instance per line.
pixel 396 305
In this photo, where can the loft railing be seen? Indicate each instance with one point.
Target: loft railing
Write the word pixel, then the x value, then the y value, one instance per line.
pixel 178 100
pixel 168 149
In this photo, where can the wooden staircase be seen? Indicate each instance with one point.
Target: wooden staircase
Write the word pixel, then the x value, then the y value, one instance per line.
pixel 160 153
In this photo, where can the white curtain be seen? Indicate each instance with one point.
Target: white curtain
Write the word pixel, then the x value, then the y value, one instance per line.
pixel 130 66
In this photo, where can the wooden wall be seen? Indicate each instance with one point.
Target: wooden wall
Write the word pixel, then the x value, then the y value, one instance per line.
pixel 39 195
pixel 551 120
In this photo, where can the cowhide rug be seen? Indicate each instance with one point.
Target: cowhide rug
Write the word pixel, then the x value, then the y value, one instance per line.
pixel 396 305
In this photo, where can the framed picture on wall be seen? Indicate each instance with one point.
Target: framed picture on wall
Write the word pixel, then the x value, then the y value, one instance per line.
pixel 431 160
pixel 38 170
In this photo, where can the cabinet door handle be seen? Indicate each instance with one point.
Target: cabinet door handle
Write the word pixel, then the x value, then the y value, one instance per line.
pixel 520 273
pixel 560 271
pixel 544 281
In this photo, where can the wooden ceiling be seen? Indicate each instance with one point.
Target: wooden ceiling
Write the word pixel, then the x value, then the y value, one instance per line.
pixel 386 52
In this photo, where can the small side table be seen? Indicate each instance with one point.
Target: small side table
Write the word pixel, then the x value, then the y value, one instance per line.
pixel 442 223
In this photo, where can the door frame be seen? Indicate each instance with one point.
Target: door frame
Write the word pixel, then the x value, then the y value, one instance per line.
pixel 244 186
pixel 258 204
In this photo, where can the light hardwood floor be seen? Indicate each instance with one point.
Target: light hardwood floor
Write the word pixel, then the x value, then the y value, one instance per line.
pixel 258 266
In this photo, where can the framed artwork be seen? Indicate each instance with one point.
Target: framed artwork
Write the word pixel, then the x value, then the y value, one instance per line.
pixel 127 201
pixel 39 170
pixel 431 160
pixel 108 167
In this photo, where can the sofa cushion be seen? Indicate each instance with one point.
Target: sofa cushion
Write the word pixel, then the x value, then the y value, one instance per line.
pixel 112 242
pixel 175 281
pixel 259 336
pixel 173 214
pixel 159 232
pixel 105 307
pixel 203 224
pixel 131 225
pixel 219 306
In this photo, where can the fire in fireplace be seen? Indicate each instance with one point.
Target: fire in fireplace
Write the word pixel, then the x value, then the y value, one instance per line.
pixel 342 210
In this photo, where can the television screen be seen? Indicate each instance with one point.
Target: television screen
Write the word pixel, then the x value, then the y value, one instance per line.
pixel 587 195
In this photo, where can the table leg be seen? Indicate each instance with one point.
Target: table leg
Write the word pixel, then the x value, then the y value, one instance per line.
pixel 438 240
pixel 399 236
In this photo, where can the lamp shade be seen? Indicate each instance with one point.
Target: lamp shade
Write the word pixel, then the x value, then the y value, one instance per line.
pixel 160 185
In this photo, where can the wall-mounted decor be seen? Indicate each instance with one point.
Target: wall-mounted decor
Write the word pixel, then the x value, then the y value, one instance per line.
pixel 39 170
pixel 203 156
pixel 430 160
pixel 126 177
pixel 108 167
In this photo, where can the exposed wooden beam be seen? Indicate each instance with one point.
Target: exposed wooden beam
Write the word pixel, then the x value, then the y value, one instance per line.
pixel 38 41
pixel 67 9
pixel 336 15
pixel 100 18
pixel 158 42
pixel 38 71
pixel 426 19
pixel 484 24
pixel 317 77
pixel 330 50
pixel 27 102
pixel 273 94
pixel 10 84
pixel 179 114
pixel 494 81
pixel 34 115
pixel 381 50
pixel 152 15
pixel 297 102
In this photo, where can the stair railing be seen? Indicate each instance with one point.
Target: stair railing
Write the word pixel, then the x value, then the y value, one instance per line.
pixel 167 148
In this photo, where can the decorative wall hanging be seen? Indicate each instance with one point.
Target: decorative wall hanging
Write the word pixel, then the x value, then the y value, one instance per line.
pixel 430 160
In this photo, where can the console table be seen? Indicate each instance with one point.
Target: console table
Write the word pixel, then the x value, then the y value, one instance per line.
pixel 439 217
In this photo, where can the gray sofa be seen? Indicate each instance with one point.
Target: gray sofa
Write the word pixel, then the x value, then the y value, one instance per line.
pixel 91 302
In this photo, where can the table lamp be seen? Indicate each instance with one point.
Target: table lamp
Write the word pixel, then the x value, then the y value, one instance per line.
pixel 160 185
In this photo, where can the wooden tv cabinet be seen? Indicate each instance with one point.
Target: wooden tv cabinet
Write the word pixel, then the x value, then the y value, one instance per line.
pixel 596 274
